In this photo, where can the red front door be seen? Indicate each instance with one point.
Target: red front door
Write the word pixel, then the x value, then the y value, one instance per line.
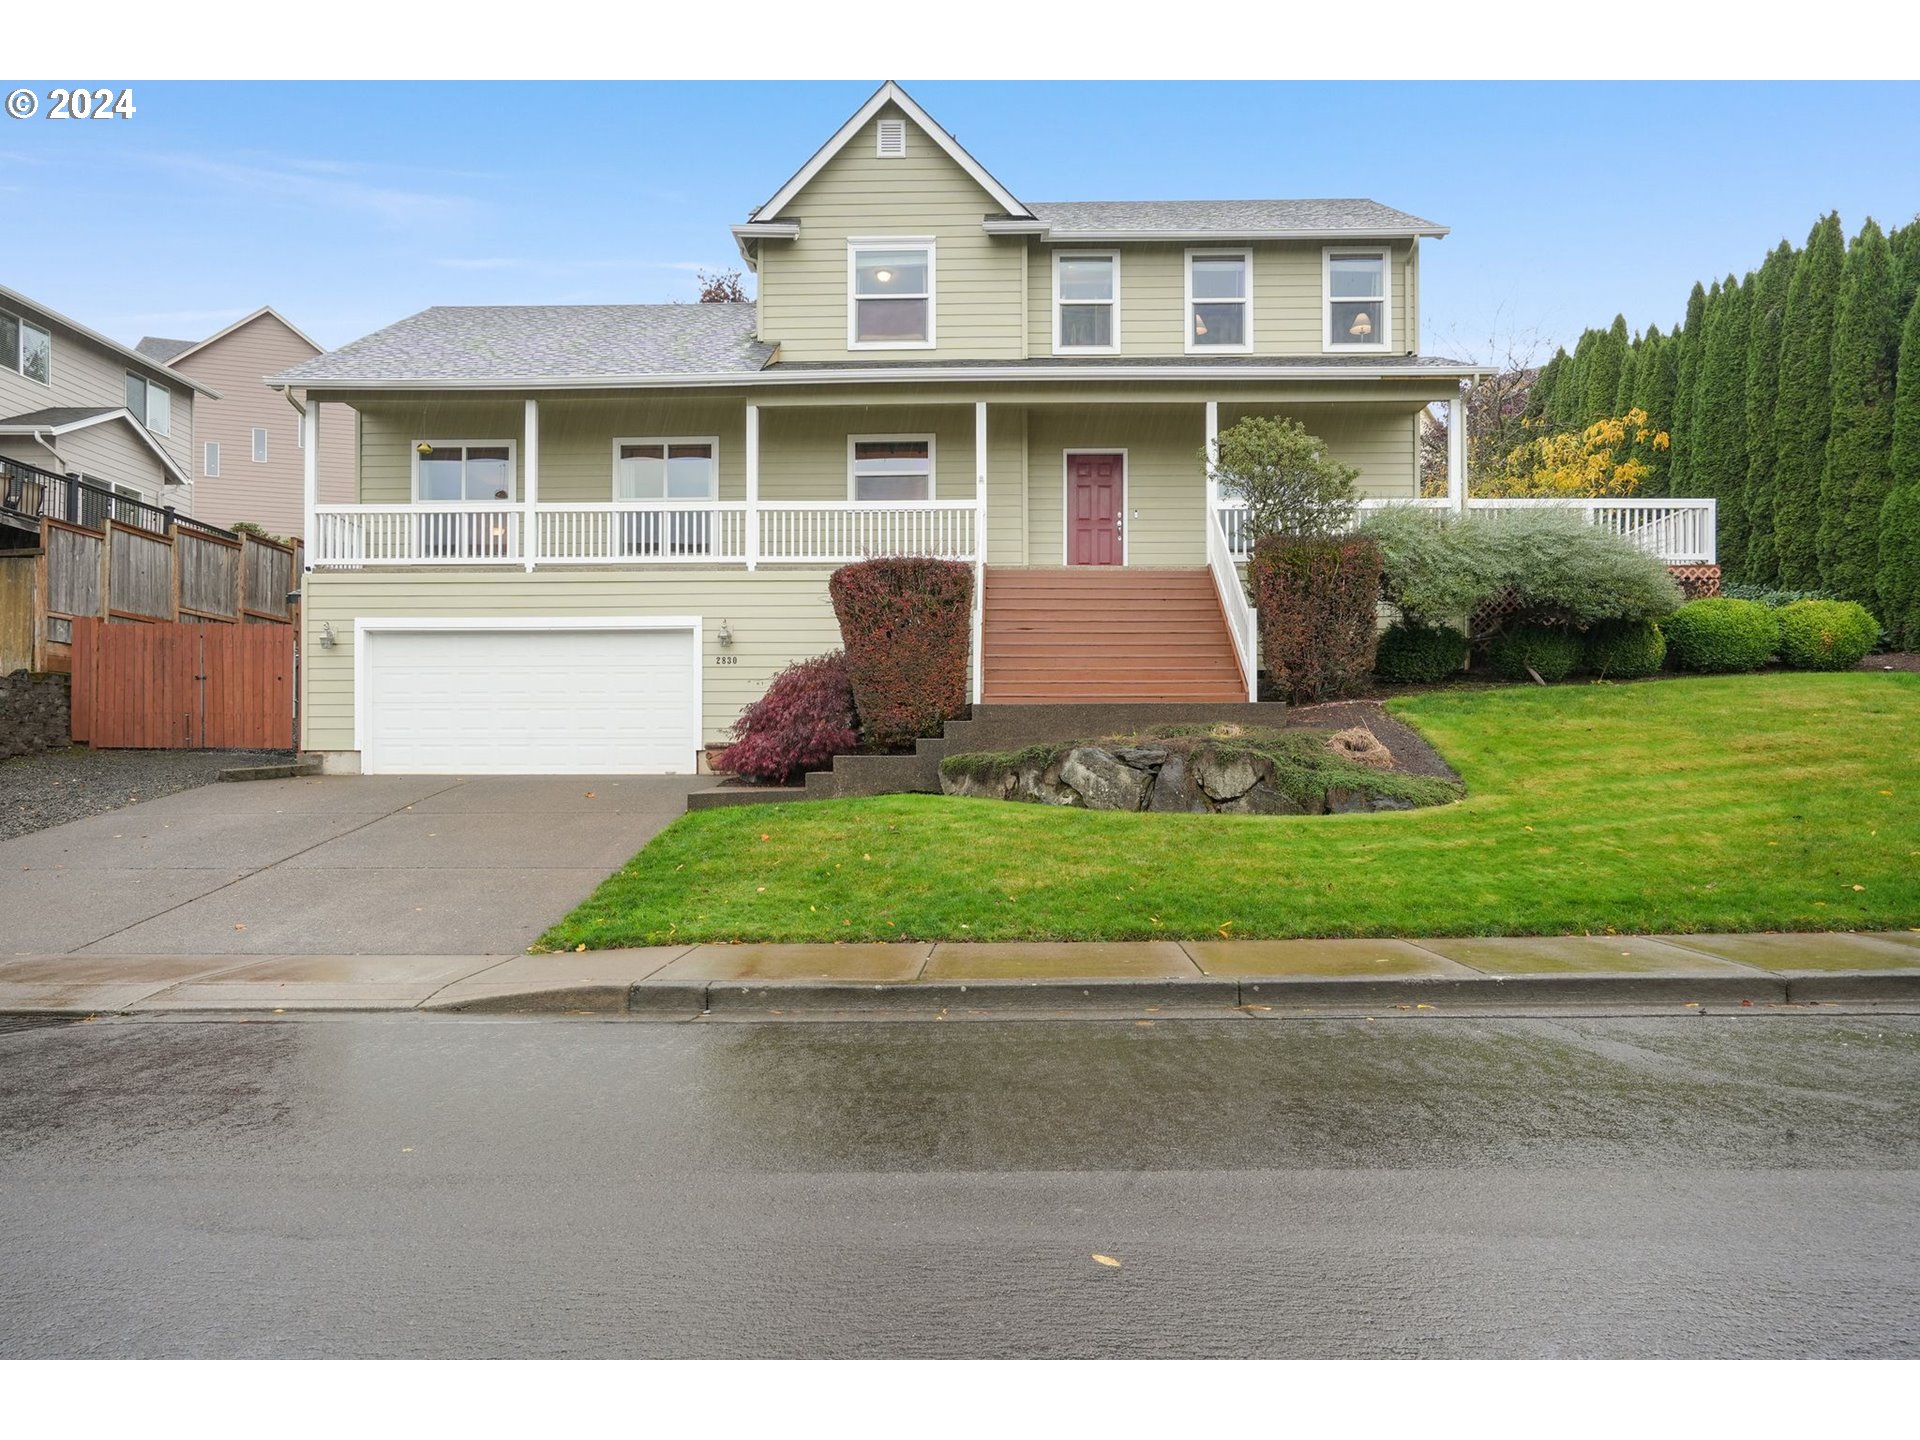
pixel 1096 509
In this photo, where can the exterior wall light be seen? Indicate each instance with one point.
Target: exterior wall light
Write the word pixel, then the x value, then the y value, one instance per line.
pixel 726 636
pixel 327 640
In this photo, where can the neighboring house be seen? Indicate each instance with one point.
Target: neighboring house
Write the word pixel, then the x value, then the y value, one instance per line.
pixel 75 404
pixel 586 536
pixel 247 442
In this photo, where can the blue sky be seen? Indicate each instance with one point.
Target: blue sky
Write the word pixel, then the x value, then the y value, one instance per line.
pixel 348 206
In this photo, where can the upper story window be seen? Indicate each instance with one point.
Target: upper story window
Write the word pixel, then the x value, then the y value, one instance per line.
pixel 884 468
pixel 666 469
pixel 210 459
pixel 451 471
pixel 890 294
pixel 1219 300
pixel 259 444
pixel 27 348
pixel 1355 288
pixel 1086 301
pixel 151 404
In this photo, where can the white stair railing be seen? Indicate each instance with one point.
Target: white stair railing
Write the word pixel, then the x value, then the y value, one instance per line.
pixel 1242 624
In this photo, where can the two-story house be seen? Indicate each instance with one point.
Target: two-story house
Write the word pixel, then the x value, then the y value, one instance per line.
pixel 248 440
pixel 75 404
pixel 585 536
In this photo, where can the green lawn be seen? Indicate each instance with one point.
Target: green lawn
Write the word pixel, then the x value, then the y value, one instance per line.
pixel 1764 802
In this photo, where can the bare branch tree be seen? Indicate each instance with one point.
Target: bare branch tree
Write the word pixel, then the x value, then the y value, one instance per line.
pixel 1496 405
pixel 719 287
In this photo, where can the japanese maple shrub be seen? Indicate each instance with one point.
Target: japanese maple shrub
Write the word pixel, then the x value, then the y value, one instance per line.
pixel 907 625
pixel 803 721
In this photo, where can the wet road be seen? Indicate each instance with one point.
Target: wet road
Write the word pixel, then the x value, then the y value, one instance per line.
pixel 444 1187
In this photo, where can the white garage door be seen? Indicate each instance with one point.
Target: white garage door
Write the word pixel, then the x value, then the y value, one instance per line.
pixel 529 702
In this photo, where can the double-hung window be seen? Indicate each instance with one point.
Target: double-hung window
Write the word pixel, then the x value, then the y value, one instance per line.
pixel 1357 315
pixel 151 404
pixel 449 472
pixel 27 348
pixel 665 469
pixel 890 468
pixel 1086 301
pixel 890 294
pixel 1219 300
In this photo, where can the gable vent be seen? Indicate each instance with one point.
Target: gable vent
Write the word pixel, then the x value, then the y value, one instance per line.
pixel 893 139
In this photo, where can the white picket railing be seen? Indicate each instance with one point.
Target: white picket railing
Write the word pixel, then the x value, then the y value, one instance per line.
pixel 1680 532
pixel 1234 605
pixel 356 535
pixel 651 532
pixel 809 532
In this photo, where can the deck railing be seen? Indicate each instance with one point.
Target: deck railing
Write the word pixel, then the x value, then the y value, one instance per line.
pixel 813 532
pixel 355 535
pixel 1234 605
pixel 652 532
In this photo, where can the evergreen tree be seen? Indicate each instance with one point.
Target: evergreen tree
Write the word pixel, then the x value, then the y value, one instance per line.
pixel 1767 314
pixel 1717 433
pixel 1804 411
pixel 1629 373
pixel 1693 342
pixel 1570 398
pixel 1905 244
pixel 1654 383
pixel 1858 473
pixel 1602 377
pixel 1540 394
pixel 1899 578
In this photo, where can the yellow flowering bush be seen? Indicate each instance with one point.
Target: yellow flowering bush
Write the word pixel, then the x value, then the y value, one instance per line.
pixel 1608 458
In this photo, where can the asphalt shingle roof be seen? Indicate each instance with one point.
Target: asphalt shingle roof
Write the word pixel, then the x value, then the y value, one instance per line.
pixel 155 348
pixel 1228 218
pixel 545 342
pixel 1123 363
pixel 59 415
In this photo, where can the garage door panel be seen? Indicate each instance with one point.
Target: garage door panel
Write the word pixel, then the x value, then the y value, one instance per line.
pixel 603 701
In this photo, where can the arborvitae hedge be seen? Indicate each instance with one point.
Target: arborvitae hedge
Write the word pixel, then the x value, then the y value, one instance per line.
pixel 1691 340
pixel 1804 411
pixel 1859 468
pixel 1718 429
pixel 1899 578
pixel 1767 315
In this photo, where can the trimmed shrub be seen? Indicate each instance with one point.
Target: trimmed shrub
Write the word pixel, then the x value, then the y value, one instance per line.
pixel 907 626
pixel 1416 654
pixel 1826 634
pixel 1317 600
pixel 1772 596
pixel 803 721
pixel 1720 635
pixel 1522 651
pixel 1625 650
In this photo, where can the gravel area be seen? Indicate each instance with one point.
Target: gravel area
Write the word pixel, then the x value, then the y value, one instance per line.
pixel 38 792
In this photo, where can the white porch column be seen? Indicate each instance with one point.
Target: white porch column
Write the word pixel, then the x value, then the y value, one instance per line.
pixel 979 545
pixel 753 487
pixel 530 462
pixel 1213 459
pixel 310 477
pixel 1457 452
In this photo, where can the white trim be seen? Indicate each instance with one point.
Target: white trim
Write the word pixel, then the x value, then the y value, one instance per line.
pixel 513 469
pixel 858 243
pixel 16 302
pixel 933 469
pixel 710 441
pixel 978 678
pixel 752 441
pixel 172 466
pixel 888 93
pixel 1114 257
pixel 363 625
pixel 530 481
pixel 1385 328
pixel 1066 503
pixel 993 225
pixel 894 128
pixel 241 323
pixel 147 389
pixel 309 502
pixel 1245 255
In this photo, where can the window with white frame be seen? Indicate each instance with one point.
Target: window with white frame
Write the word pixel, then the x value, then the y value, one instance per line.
pixel 889 294
pixel 210 459
pixel 259 445
pixel 1219 300
pixel 1356 299
pixel 666 469
pixel 26 348
pixel 151 404
pixel 1086 301
pixel 448 472
pixel 888 468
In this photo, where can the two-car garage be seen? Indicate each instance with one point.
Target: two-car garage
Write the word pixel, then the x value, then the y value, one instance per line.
pixel 590 696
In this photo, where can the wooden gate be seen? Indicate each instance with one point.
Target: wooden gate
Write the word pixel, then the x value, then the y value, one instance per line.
pixel 175 685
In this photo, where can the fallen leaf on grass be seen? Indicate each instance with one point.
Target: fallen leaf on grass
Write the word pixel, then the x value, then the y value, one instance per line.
pixel 578 948
pixel 1108 1260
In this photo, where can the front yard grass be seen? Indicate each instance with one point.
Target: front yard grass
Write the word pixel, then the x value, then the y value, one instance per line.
pixel 1762 802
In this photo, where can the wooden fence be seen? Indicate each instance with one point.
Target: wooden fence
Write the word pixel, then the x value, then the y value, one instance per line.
pixel 182 685
pixel 19 574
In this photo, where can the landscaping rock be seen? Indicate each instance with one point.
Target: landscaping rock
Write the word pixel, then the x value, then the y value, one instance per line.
pixel 1264 799
pixel 1041 784
pixel 1225 777
pixel 1102 780
pixel 1174 790
pixel 1143 757
pixel 1354 802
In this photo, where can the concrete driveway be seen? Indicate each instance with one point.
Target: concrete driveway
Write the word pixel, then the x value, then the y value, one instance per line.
pixel 375 865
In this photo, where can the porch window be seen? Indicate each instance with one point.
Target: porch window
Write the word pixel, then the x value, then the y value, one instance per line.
pixel 1356 299
pixel 1219 300
pixel 27 348
pixel 890 294
pixel 452 472
pixel 151 404
pixel 665 469
pixel 1086 298
pixel 895 468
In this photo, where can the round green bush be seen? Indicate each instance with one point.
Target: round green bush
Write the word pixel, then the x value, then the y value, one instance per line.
pixel 1625 649
pixel 1543 650
pixel 1826 634
pixel 1412 654
pixel 1719 636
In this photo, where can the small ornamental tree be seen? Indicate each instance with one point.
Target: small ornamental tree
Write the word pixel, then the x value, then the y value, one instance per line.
pixel 803 721
pixel 907 626
pixel 1288 482
pixel 721 287
pixel 1607 458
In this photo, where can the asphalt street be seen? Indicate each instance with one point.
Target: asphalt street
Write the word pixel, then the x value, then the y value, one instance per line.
pixel 435 1186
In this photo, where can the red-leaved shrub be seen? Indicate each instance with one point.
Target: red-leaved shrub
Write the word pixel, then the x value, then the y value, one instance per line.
pixel 803 721
pixel 1316 599
pixel 907 625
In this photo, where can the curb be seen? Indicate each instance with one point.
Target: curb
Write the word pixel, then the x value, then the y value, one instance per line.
pixel 734 997
pixel 292 770
pixel 1851 986
pixel 1757 989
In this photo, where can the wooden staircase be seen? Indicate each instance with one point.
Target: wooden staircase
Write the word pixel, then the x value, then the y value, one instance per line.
pixel 1106 634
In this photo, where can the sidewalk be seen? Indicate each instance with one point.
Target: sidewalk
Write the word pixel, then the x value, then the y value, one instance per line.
pixel 1258 977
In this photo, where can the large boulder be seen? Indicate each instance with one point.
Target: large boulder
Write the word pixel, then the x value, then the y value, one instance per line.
pixel 1265 799
pixel 1225 776
pixel 1355 802
pixel 1175 791
pixel 1102 781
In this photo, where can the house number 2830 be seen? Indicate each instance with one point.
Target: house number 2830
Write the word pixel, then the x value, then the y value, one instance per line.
pixel 726 659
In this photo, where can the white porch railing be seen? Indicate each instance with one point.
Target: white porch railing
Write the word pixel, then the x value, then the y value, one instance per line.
pixel 1680 532
pixel 639 532
pixel 1234 605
